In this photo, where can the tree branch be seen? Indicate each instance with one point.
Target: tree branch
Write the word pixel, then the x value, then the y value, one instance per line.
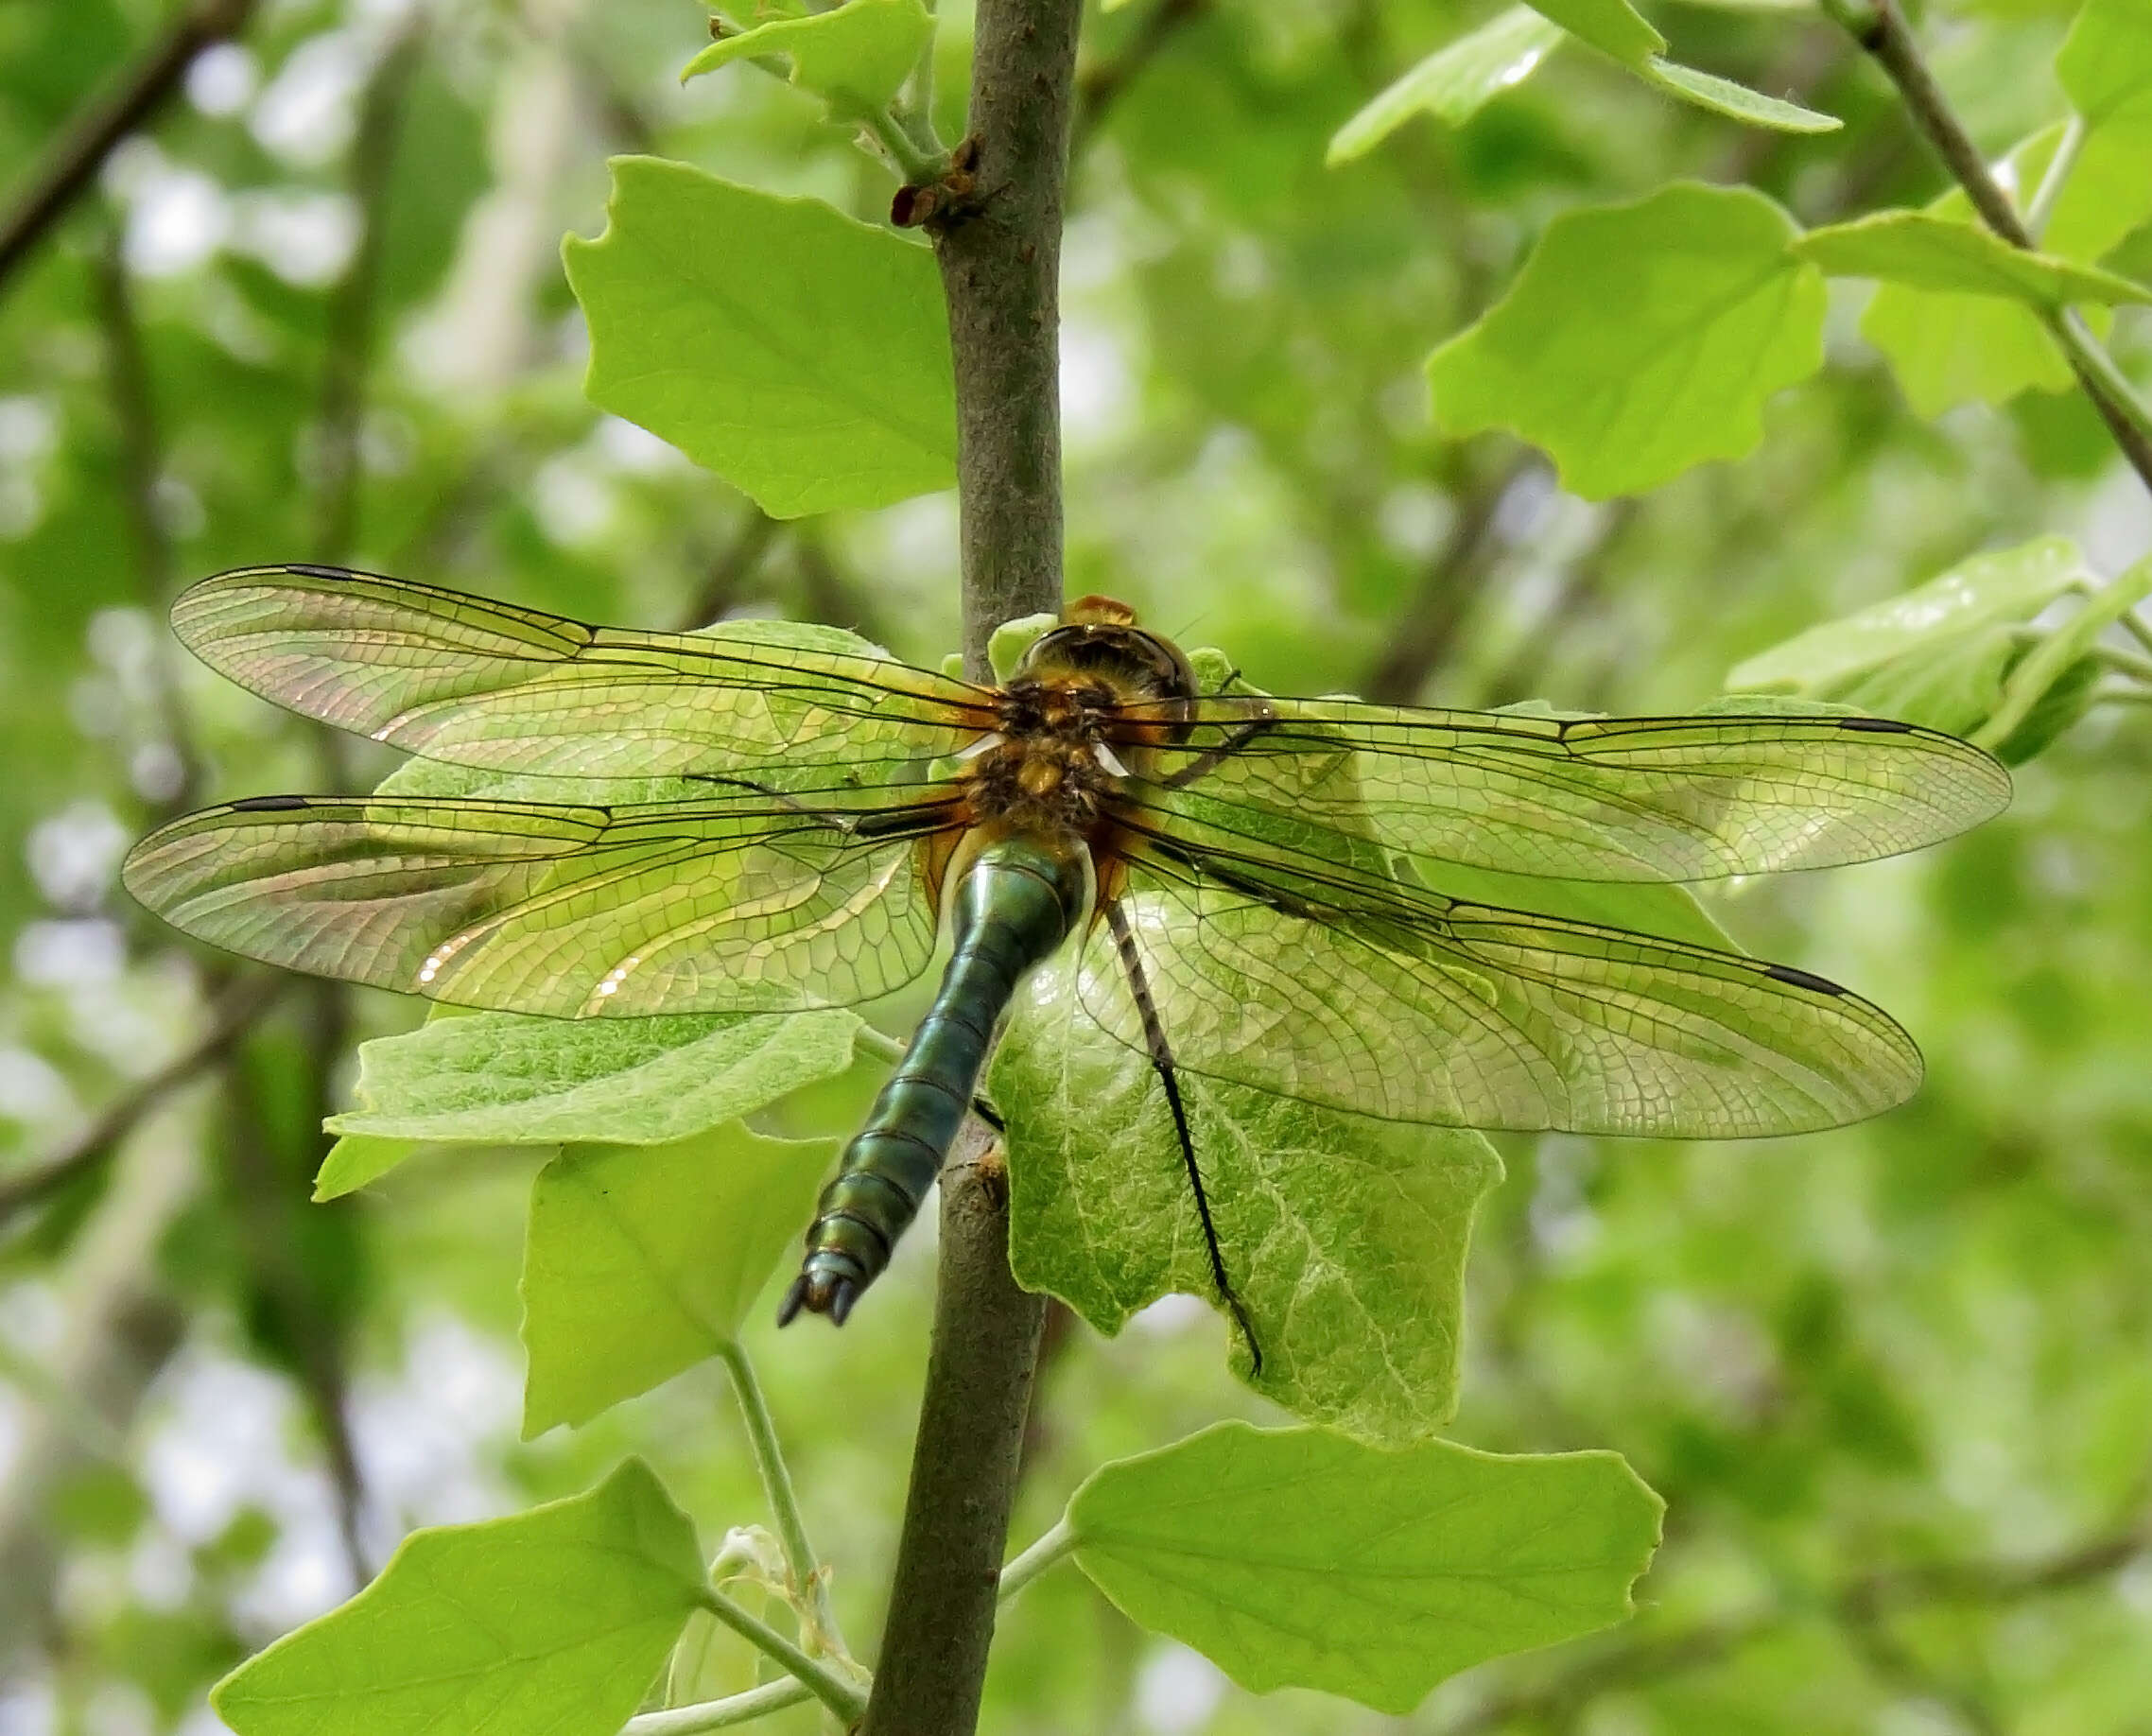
pixel 1879 28
pixel 347 354
pixel 1102 85
pixel 234 1014
pixel 72 164
pixel 142 461
pixel 1000 255
pixel 1427 627
pixel 1860 1606
pixel 963 1464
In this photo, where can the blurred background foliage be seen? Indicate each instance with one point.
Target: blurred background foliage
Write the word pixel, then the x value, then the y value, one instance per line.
pixel 1892 1380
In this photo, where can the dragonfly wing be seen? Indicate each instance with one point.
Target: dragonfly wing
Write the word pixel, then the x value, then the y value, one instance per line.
pixel 1429 1010
pixel 491 684
pixel 1689 798
pixel 552 909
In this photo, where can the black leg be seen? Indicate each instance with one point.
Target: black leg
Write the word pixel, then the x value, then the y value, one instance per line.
pixel 1211 759
pixel 1168 1076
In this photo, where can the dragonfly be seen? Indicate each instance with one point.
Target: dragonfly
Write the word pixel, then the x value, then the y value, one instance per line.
pixel 1247 887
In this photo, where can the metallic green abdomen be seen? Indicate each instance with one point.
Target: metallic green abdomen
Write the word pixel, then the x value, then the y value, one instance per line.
pixel 1017 903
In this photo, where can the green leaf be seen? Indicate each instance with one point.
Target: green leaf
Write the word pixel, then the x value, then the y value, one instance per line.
pixel 502 1079
pixel 1007 644
pixel 803 356
pixel 2105 65
pixel 1959 349
pixel 1612 27
pixel 1345 1236
pixel 2006 587
pixel 1956 348
pixel 553 1620
pixel 358 1159
pixel 642 1260
pixel 1736 101
pixel 1293 1559
pixel 2061 703
pixel 857 57
pixel 1455 82
pixel 1932 252
pixel 1939 654
pixel 1641 340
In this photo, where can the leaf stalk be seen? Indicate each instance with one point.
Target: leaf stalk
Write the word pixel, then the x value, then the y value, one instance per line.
pixel 809 1582
pixel 842 1697
pixel 2045 664
pixel 1054 1546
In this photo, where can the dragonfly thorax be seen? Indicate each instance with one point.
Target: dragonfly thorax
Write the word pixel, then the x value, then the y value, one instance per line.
pixel 1044 772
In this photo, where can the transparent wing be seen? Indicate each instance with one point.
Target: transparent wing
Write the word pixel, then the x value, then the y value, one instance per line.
pixel 735 905
pixel 490 684
pixel 1583 799
pixel 1340 991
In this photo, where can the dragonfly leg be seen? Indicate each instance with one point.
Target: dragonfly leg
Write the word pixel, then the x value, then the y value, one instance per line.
pixel 1168 1076
pixel 1211 759
pixel 843 823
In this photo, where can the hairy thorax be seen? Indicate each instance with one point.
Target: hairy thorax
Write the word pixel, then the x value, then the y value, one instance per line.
pixel 1047 768
pixel 1064 739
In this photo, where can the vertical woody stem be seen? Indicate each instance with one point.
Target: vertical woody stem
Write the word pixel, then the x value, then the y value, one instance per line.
pixel 1000 257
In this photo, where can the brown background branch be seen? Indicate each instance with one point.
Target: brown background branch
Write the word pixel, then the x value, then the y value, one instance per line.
pixel 1861 1608
pixel 1101 85
pixel 72 164
pixel 234 1016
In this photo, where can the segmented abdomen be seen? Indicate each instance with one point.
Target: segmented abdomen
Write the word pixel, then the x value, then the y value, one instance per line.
pixel 1014 904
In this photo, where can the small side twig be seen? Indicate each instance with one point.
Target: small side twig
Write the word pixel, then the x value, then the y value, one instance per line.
pixel 234 1016
pixel 733 565
pixel 70 167
pixel 826 1684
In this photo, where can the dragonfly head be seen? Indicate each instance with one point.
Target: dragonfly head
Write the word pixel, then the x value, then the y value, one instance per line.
pixel 1099 641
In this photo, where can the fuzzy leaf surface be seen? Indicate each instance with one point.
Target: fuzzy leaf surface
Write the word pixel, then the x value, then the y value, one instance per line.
pixel 2006 586
pixel 802 356
pixel 856 57
pixel 1345 1236
pixel 1455 82
pixel 642 1260
pixel 1640 341
pixel 1705 89
pixel 549 1622
pixel 1297 1559
pixel 502 1079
